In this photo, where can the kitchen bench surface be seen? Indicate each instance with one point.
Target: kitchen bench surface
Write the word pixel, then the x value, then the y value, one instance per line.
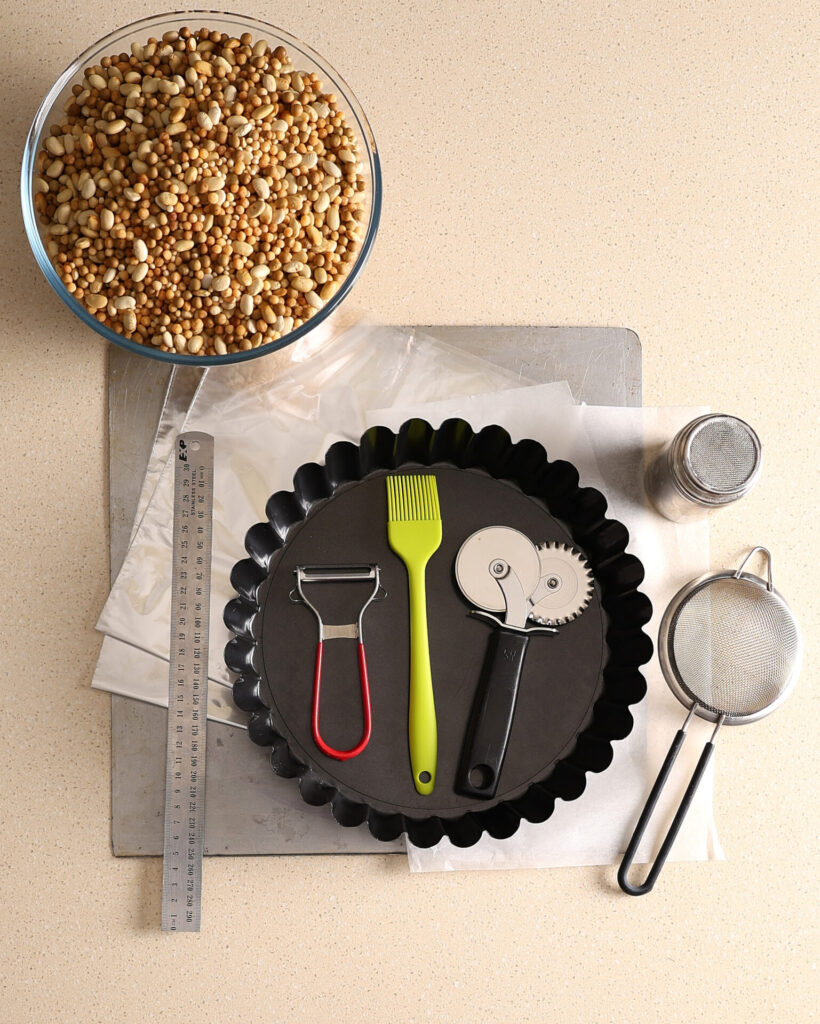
pixel 639 165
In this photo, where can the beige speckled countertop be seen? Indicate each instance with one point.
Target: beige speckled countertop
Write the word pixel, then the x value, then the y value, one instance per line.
pixel 638 164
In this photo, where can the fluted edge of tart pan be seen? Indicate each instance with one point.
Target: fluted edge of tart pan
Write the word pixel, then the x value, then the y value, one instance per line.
pixel 581 510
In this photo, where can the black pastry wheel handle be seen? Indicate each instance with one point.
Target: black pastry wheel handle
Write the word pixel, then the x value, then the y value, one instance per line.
pixel 538 589
pixel 491 719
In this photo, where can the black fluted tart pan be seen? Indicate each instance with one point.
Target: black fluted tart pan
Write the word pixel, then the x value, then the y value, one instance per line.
pixel 576 688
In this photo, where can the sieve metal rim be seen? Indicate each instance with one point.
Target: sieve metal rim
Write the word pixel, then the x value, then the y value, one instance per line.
pixel 673 678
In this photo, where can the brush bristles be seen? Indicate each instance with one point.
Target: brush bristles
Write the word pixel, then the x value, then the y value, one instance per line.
pixel 412 498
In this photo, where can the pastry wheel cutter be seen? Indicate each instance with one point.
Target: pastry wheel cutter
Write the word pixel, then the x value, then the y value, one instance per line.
pixel 536 589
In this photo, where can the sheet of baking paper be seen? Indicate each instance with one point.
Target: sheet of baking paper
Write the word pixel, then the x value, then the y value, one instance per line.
pixel 264 431
pixel 609 447
pixel 185 381
pixel 123 668
pixel 120 666
pixel 122 671
pixel 183 385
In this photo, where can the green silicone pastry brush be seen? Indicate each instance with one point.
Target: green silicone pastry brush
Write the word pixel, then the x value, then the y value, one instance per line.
pixel 414 533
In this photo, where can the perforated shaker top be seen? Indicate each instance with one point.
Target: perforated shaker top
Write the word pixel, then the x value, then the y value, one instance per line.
pixel 723 454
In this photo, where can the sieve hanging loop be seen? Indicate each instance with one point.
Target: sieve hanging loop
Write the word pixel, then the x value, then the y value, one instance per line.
pixel 768 554
pixel 730 651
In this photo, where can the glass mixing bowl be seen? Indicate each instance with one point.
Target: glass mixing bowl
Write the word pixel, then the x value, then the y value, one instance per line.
pixel 119 41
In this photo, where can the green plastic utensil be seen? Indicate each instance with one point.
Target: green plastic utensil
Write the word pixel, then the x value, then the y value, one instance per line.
pixel 414 533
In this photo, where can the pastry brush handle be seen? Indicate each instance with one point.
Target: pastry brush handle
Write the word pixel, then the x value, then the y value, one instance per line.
pixel 421 721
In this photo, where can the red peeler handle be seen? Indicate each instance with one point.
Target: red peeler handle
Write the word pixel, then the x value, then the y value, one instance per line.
pixel 341 755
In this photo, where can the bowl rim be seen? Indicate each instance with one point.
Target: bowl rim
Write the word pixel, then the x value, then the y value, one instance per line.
pixel 28 172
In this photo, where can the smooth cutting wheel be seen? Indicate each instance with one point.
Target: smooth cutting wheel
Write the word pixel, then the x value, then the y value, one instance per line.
pixel 478 554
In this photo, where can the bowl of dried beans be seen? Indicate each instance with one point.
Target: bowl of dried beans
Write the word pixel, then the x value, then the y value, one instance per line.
pixel 201 188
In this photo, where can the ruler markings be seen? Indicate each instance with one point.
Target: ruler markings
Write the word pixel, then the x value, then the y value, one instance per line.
pixel 188 684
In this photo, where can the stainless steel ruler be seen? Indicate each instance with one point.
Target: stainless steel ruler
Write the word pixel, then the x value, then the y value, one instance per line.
pixel 188 683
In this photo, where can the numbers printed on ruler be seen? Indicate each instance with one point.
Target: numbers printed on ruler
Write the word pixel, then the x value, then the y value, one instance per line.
pixel 188 684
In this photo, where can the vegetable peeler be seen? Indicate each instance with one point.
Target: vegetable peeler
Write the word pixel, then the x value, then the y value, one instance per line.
pixel 309 574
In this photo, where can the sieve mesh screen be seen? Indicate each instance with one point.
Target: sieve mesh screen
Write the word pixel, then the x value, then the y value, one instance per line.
pixel 734 646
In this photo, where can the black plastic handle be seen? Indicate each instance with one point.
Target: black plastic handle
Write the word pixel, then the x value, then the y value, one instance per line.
pixel 674 828
pixel 492 714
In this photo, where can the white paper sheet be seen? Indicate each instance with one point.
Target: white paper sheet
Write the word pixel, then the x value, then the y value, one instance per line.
pixel 285 425
pixel 608 446
pixel 267 429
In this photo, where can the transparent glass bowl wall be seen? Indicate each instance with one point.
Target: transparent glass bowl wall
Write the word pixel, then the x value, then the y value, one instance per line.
pixel 119 41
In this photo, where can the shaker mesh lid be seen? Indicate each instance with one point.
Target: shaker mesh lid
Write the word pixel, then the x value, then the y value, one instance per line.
pixel 723 454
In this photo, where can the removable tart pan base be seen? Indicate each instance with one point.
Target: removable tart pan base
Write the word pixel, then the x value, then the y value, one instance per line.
pixel 575 688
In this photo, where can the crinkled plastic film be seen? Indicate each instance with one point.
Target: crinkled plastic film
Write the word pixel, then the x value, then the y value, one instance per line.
pixel 269 416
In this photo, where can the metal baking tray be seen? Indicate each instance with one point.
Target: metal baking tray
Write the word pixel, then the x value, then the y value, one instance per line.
pixel 249 810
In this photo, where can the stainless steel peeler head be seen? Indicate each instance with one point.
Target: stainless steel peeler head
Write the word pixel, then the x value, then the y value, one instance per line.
pixel 335 573
pixel 363 573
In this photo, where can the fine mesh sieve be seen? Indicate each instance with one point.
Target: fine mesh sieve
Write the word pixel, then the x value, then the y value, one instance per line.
pixel 731 646
pixel 730 651
pixel 722 454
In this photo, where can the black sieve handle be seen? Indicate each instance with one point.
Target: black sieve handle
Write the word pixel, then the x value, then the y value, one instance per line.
pixel 646 814
pixel 492 714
